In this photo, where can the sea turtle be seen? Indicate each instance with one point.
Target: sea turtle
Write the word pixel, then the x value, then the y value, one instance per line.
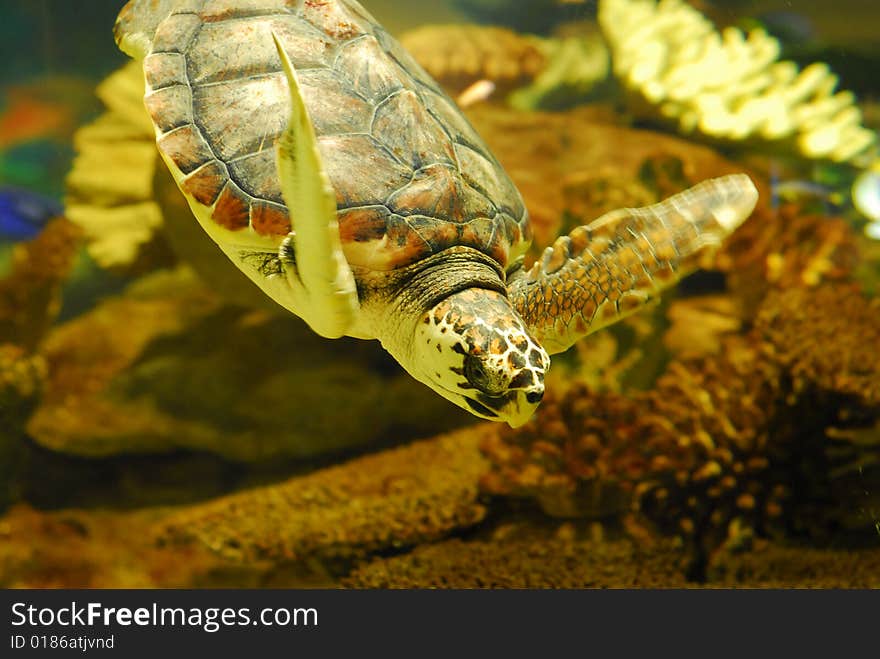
pixel 334 172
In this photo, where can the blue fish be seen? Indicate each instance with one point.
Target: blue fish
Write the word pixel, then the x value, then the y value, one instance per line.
pixel 23 213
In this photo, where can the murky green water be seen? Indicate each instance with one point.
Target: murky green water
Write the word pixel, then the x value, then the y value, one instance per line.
pixel 142 377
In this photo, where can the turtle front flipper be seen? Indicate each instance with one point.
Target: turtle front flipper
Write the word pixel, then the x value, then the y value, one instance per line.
pixel 606 270
pixel 323 284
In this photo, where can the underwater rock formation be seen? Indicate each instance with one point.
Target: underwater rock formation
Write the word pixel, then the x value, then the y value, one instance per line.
pixel 723 447
pixel 572 167
pixel 397 498
pixel 78 549
pixel 169 365
pixel 545 72
pixel 535 563
pixel 458 55
pixel 729 87
pixel 690 454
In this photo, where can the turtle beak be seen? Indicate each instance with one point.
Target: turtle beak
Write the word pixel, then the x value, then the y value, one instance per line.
pixel 514 408
pixel 521 408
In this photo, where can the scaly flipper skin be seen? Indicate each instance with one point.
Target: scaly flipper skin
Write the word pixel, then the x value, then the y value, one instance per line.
pixel 611 267
pixel 323 283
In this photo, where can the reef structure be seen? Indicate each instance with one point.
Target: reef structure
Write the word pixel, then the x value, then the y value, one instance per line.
pixel 761 439
pixel 729 86
pixel 394 499
pixel 119 213
pixel 30 294
pixel 457 55
pixel 529 71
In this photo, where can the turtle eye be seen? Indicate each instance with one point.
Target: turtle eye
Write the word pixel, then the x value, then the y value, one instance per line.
pixel 476 374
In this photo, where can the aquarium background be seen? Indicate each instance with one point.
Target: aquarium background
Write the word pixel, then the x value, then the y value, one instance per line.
pixel 162 425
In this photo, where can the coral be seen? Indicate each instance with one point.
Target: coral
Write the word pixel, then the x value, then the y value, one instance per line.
pixel 397 498
pixel 698 325
pixel 110 188
pixel 168 365
pixel 691 453
pixel 574 166
pixel 751 440
pixel 576 67
pixel 786 249
pixel 535 563
pixel 30 295
pixel 22 378
pixel 728 86
pixel 457 56
pixel 101 549
pixel 826 338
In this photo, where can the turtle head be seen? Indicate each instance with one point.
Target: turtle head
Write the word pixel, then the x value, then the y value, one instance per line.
pixel 473 349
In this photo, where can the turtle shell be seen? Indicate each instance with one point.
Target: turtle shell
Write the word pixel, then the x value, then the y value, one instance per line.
pixel 411 175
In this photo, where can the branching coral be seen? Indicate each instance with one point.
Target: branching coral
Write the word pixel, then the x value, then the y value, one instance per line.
pixel 728 86
pixel 111 185
pixel 397 498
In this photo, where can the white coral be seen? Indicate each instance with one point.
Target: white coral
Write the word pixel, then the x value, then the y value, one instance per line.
pixel 110 187
pixel 729 86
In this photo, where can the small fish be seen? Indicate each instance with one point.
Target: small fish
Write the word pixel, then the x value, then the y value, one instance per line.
pixel 478 92
pixel 23 213
pixel 799 191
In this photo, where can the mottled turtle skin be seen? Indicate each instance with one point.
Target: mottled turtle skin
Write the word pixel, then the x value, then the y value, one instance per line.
pixel 333 171
pixel 412 178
